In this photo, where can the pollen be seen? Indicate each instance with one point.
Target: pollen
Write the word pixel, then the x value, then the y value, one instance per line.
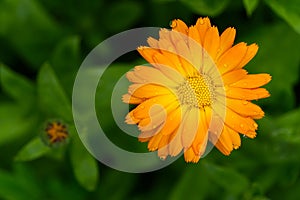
pixel 56 132
pixel 196 91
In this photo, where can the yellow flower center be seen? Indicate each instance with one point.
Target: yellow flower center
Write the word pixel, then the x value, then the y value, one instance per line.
pixel 196 91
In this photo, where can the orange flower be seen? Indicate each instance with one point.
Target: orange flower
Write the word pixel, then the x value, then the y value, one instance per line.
pixel 196 74
pixel 56 132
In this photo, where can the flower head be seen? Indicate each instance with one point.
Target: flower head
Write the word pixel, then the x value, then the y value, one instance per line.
pixel 195 91
pixel 56 133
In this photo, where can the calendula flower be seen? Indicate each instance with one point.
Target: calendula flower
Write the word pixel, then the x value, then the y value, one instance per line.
pixel 56 132
pixel 195 91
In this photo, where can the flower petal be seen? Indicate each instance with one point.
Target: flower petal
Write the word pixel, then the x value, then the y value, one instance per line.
pixel 200 141
pixel 247 94
pixel 154 142
pixel 234 76
pixel 175 145
pixel 238 123
pixel 245 108
pixel 212 41
pixel 172 122
pixel 163 148
pixel 152 42
pixel 231 58
pixel 234 136
pixel 251 52
pixel 127 98
pixel 203 24
pixel 223 142
pixel 190 126
pixel 146 91
pixel 157 116
pixel 190 156
pixel 252 81
pixel 180 26
pixel 195 46
pixel 152 75
pixel 226 40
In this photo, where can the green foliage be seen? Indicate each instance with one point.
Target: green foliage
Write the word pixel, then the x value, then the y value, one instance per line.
pixel 53 101
pixel 34 149
pixel 207 7
pixel 283 90
pixel 250 6
pixel 84 165
pixel 288 10
pixel 42 45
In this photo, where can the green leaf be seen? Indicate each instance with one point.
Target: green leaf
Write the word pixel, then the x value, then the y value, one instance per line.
pixel 32 150
pixel 194 184
pixel 225 176
pixel 110 182
pixel 8 187
pixel 116 12
pixel 30 30
pixel 287 127
pixel 15 123
pixel 17 86
pixel 19 184
pixel 289 10
pixel 84 165
pixel 250 6
pixel 274 58
pixel 207 7
pixel 65 62
pixel 52 98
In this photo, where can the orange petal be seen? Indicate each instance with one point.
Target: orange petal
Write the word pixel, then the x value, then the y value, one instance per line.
pixel 163 149
pixel 239 123
pixel 251 52
pixel 195 47
pixel 164 34
pixel 247 94
pixel 152 75
pixel 132 77
pixel 234 136
pixel 168 51
pixel 143 109
pixel 152 42
pixel 190 156
pixel 223 143
pixel 172 122
pixel 183 52
pixel 127 98
pixel 194 34
pixel 203 24
pixel 231 58
pixel 147 53
pixel 190 126
pixel 180 26
pixel 212 42
pixel 168 68
pixel 245 108
pixel 145 136
pixel 251 134
pixel 146 91
pixel 175 145
pixel 154 142
pixel 234 76
pixel 157 116
pixel 252 81
pixel 226 40
pixel 200 141
pixel 130 119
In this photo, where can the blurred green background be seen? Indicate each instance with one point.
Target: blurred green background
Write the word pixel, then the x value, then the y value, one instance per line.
pixel 42 44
